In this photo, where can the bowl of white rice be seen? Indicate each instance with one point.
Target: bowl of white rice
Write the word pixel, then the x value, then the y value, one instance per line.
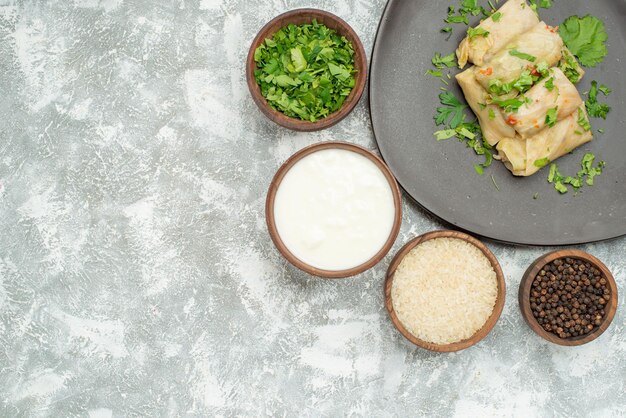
pixel 444 291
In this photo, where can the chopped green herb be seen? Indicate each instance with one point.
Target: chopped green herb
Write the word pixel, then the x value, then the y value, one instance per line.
pixel 445 134
pixel 305 71
pixel 447 61
pixel 447 29
pixel 550 84
pixel 544 4
pixel 595 109
pixel 542 162
pixel 536 196
pixel 570 67
pixel 492 114
pixel 525 82
pixel 522 84
pixel 604 89
pixel 462 132
pixel 583 121
pixel 452 111
pixel 601 130
pixel 586 175
pixel 560 187
pixel 556 178
pixel 496 16
pixel 470 7
pixel 523 55
pixel 474 32
pixel 585 37
pixel 551 116
pixel 457 19
pixel 510 105
pixel 479 169
pixel 434 73
pixel 589 170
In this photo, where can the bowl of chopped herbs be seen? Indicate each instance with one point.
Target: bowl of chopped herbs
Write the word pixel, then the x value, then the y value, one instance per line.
pixel 306 69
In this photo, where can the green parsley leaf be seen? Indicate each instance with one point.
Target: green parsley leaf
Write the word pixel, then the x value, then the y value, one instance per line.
pixel 441 62
pixel 479 169
pixel 585 37
pixel 595 109
pixel 492 114
pixel 474 32
pixel 544 4
pixel 550 84
pixel 583 121
pixel 525 82
pixel 605 90
pixel 551 116
pixel 471 7
pixel 496 16
pixel 434 73
pixel 446 29
pixel 452 111
pixel 523 55
pixel 510 105
pixel 457 19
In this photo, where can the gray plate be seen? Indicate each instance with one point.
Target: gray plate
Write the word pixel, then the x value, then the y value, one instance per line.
pixel 440 175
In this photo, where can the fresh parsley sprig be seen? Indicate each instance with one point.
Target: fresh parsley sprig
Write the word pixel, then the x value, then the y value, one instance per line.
pixel 594 108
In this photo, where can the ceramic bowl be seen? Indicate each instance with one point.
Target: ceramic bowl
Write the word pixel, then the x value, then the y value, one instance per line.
pixel 478 335
pixel 299 17
pixel 271 223
pixel 525 288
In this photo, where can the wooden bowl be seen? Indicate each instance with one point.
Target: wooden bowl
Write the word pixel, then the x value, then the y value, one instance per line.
pixel 299 17
pixel 529 277
pixel 271 224
pixel 491 321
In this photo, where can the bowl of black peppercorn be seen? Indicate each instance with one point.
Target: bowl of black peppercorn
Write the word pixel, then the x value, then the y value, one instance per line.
pixel 568 297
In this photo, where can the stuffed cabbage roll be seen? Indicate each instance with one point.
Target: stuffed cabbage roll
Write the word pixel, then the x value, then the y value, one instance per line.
pixel 524 157
pixel 548 102
pixel 490 117
pixel 570 66
pixel 493 33
pixel 541 45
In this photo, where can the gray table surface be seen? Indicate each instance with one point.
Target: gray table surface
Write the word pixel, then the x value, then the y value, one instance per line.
pixel 136 273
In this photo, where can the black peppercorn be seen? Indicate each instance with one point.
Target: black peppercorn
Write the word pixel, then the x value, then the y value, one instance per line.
pixel 568 297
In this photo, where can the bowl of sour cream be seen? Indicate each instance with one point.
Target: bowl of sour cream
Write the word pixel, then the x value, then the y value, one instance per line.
pixel 334 209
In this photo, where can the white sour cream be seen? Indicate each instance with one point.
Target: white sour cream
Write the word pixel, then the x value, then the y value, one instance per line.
pixel 334 209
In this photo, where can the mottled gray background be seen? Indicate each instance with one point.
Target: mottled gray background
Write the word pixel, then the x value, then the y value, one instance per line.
pixel 136 274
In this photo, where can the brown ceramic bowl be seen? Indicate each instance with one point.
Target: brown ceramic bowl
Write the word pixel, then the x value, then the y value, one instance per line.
pixel 491 321
pixel 299 17
pixel 271 224
pixel 529 277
